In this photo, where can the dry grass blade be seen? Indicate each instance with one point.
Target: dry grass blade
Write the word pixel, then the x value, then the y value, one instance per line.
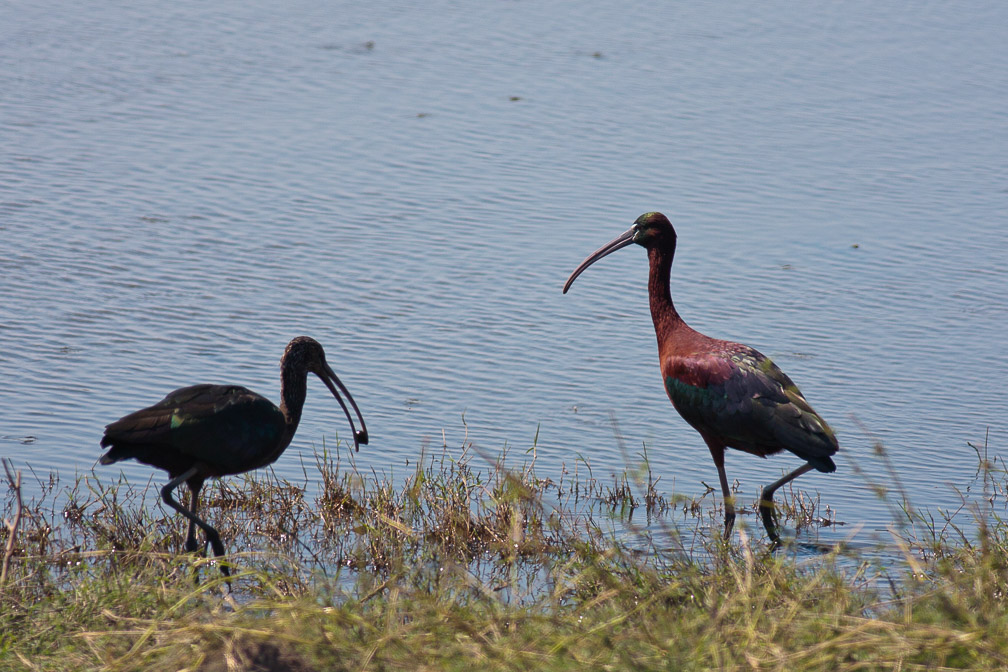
pixel 455 566
pixel 11 525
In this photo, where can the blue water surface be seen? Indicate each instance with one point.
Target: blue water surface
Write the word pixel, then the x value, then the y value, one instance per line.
pixel 186 187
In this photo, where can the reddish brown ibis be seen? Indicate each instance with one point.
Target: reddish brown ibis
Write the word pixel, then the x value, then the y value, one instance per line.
pixel 734 396
pixel 209 431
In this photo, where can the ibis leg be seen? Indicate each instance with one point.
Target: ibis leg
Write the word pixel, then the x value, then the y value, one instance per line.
pixel 717 452
pixel 190 542
pixel 211 534
pixel 767 509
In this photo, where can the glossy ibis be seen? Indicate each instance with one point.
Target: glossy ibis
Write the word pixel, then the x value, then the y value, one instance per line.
pixel 209 431
pixel 734 396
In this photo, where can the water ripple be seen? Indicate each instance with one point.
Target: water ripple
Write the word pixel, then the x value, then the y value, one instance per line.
pixel 412 185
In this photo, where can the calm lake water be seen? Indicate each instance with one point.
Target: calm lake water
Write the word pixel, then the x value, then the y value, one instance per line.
pixel 186 187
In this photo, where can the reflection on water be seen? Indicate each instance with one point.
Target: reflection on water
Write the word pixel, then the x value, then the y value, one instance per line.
pixel 184 190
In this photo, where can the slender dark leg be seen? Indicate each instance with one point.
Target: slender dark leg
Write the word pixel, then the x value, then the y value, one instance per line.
pixel 717 452
pixel 194 490
pixel 212 536
pixel 766 504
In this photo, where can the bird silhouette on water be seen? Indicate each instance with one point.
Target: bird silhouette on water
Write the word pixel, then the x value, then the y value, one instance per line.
pixel 209 431
pixel 733 395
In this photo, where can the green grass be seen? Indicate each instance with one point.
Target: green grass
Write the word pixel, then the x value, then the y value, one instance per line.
pixel 460 567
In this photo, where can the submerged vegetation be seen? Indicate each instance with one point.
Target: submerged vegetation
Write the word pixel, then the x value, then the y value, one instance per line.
pixel 466 565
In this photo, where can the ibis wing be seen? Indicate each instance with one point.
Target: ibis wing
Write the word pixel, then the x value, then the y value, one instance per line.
pixel 741 397
pixel 226 426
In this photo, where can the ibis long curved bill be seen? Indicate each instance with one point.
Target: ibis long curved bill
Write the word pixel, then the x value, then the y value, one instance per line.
pixel 330 378
pixel 621 241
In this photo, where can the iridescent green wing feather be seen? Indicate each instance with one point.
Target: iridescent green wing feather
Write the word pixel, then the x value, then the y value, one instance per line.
pixel 226 426
pixel 743 399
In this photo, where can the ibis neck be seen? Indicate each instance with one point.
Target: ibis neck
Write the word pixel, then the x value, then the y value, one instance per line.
pixel 663 311
pixel 293 390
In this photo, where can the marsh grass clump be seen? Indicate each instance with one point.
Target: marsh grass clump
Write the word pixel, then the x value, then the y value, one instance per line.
pixel 463 564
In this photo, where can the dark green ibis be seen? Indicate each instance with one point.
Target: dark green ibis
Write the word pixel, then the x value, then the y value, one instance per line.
pixel 734 396
pixel 209 431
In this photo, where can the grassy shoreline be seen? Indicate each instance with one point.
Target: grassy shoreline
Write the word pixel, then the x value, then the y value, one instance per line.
pixel 461 568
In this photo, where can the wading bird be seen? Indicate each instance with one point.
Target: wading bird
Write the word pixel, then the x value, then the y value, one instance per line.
pixel 209 431
pixel 734 396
